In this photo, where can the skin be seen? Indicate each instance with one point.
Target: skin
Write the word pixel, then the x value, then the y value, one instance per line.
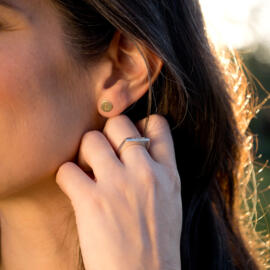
pixel 137 201
pixel 49 113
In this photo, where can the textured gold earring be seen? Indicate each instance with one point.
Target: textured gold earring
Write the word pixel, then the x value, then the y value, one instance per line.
pixel 106 106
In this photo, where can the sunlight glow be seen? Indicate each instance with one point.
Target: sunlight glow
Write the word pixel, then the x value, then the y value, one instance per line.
pixel 242 24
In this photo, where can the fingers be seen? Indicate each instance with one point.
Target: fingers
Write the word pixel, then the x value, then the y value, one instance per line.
pixel 98 150
pixel 74 183
pixel 116 130
pixel 161 145
pixel 97 153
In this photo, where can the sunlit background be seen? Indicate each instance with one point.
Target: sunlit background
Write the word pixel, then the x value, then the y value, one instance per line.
pixel 245 25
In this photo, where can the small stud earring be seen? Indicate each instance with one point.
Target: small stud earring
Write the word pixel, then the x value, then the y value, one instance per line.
pixel 106 106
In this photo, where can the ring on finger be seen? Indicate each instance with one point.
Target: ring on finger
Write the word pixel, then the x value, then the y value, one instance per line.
pixel 134 140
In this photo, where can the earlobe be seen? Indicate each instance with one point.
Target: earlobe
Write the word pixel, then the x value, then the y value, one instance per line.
pixel 114 99
pixel 106 106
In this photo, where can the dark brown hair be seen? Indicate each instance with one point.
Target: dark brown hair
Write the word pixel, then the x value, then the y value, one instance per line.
pixel 204 95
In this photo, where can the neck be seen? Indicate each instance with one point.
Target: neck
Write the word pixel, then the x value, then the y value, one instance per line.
pixel 38 230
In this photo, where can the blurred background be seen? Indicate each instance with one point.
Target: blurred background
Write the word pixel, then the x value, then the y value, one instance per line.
pixel 245 26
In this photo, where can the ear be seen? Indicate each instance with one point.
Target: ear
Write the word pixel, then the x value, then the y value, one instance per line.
pixel 124 77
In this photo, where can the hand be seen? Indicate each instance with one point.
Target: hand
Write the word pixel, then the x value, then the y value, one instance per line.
pixel 129 213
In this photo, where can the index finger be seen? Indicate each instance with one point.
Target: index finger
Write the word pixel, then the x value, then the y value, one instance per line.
pixel 161 144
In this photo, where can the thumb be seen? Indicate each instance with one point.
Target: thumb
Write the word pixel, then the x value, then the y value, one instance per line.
pixel 75 183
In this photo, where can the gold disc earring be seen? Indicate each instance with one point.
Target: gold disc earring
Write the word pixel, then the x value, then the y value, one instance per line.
pixel 106 106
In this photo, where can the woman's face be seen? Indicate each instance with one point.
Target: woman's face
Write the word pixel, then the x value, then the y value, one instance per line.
pixel 45 101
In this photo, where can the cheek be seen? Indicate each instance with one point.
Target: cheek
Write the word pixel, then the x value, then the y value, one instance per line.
pixel 40 125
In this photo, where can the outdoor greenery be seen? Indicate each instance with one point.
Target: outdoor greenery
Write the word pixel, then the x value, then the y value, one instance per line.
pixel 260 127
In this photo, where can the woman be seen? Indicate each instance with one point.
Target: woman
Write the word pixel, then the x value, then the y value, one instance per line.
pixel 74 84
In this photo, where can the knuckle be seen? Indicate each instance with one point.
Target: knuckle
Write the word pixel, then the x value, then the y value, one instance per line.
pixel 175 178
pixel 148 174
pixel 97 203
pixel 157 123
pixel 178 184
pixel 123 188
pixel 158 119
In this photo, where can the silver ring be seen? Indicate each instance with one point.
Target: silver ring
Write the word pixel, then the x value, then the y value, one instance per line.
pixel 140 140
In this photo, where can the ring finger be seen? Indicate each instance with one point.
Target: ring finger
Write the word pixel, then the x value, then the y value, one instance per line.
pixel 119 128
